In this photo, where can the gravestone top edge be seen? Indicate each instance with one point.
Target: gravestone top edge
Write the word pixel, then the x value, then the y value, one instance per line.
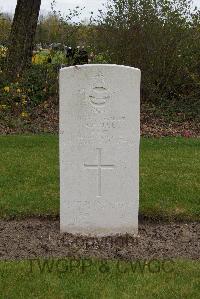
pixel 84 66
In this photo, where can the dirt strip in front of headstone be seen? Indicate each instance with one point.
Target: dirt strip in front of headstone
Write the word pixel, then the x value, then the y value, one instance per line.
pixel 34 238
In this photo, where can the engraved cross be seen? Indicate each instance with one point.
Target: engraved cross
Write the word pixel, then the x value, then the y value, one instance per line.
pixel 99 168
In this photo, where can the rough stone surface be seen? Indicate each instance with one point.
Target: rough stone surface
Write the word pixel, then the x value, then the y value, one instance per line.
pixel 99 149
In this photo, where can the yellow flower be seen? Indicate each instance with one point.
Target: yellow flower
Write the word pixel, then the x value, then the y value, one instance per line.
pixel 24 114
pixel 7 88
pixel 24 100
pixel 33 59
pixel 18 90
pixel 3 106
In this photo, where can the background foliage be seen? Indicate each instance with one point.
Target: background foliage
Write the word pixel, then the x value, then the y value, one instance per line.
pixel 161 37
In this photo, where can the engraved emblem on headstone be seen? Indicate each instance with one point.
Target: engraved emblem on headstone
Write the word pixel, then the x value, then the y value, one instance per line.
pixel 99 167
pixel 99 95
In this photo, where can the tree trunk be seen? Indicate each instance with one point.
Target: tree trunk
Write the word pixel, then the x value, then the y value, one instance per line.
pixel 22 36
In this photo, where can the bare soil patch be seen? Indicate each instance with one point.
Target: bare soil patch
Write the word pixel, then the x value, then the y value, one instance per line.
pixel 33 238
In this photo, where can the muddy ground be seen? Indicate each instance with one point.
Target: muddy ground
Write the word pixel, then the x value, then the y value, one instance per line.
pixel 33 238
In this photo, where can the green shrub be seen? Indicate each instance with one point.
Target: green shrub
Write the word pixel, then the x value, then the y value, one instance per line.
pixel 40 82
pixel 37 84
pixel 162 38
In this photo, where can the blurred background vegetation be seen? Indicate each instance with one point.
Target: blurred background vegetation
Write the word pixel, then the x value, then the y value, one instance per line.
pixel 161 37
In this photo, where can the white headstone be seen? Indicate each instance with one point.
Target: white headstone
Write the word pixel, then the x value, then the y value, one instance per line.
pixel 99 149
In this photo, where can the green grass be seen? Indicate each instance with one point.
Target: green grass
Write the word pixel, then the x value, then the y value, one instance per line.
pixel 169 188
pixel 29 181
pixel 169 177
pixel 66 279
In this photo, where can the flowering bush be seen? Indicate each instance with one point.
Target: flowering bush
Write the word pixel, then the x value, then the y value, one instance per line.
pixel 37 84
pixel 40 82
pixel 3 51
pixel 49 56
pixel 40 57
pixel 14 97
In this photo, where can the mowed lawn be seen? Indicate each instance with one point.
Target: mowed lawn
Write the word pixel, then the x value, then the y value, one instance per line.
pixel 103 279
pixel 169 188
pixel 169 177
